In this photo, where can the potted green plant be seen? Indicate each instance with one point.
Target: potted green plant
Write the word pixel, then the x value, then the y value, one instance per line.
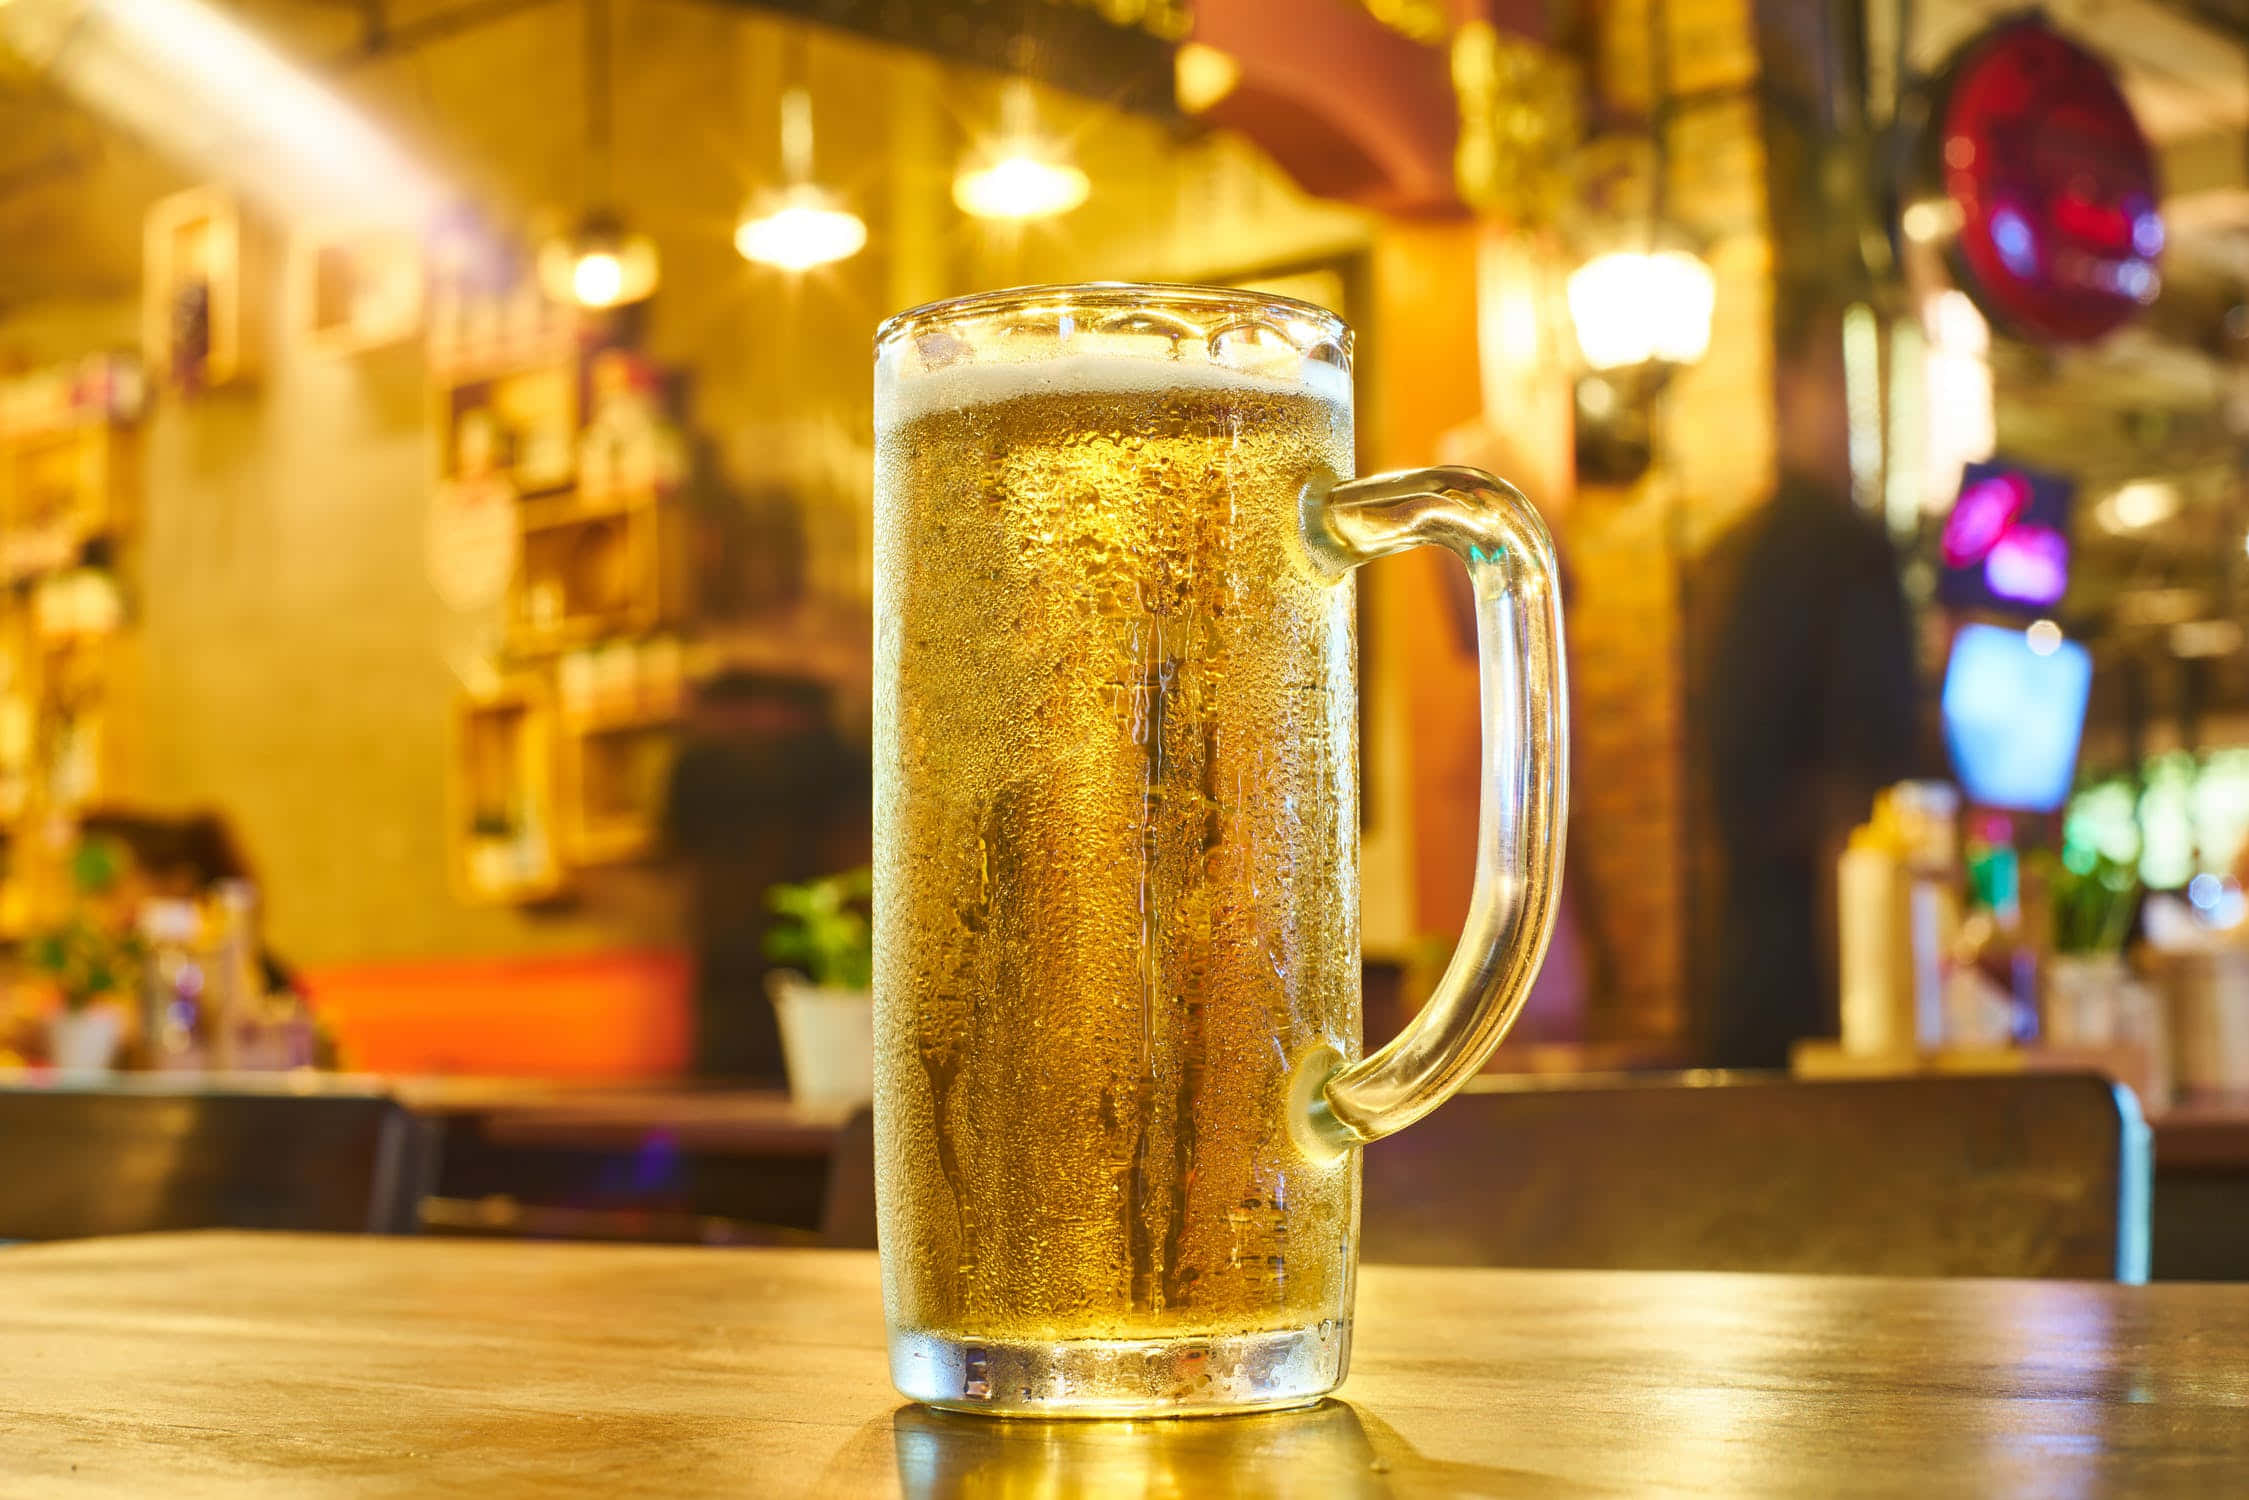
pixel 93 959
pixel 2090 997
pixel 824 1001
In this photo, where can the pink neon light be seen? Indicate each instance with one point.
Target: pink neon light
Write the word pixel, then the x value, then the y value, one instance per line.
pixel 2029 564
pixel 1981 516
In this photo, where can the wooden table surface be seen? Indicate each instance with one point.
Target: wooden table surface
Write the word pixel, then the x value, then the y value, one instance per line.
pixel 245 1365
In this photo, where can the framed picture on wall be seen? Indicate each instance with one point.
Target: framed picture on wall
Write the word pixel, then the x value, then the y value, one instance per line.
pixel 201 256
pixel 356 291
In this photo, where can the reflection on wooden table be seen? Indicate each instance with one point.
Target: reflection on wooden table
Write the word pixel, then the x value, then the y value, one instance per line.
pixel 229 1364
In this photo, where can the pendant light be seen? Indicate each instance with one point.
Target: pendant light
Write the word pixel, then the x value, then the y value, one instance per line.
pixel 1641 300
pixel 1023 174
pixel 801 226
pixel 600 263
pixel 1650 304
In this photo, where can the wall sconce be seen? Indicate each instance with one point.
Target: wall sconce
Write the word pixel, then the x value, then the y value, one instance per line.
pixel 1639 316
pixel 1640 307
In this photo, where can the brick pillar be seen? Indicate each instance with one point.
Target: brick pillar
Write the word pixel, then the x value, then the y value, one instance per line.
pixel 1637 840
pixel 1628 831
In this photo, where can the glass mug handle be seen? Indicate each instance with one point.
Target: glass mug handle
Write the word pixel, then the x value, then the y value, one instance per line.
pixel 1500 538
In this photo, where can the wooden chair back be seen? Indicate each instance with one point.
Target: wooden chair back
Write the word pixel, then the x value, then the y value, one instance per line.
pixel 76 1162
pixel 847 1220
pixel 2020 1175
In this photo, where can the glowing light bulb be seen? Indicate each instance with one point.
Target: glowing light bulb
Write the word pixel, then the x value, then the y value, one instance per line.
pixel 2140 504
pixel 1930 219
pixel 598 279
pixel 599 266
pixel 803 231
pixel 1201 76
pixel 1021 186
pixel 2043 637
pixel 1022 175
pixel 801 226
pixel 1630 307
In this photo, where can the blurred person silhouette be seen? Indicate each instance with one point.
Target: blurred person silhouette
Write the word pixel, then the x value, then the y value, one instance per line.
pixel 1809 706
pixel 765 789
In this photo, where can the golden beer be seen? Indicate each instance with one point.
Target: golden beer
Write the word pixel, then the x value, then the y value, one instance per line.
pixel 1116 884
pixel 1117 900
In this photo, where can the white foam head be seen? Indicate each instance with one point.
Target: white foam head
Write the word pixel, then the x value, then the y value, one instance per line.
pixel 902 395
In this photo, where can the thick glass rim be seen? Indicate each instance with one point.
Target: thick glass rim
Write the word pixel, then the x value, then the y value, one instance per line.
pixel 1116 295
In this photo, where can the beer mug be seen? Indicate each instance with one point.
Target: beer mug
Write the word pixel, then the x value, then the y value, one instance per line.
pixel 1118 1089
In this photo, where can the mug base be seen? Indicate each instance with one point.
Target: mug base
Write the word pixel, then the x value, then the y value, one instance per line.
pixel 1175 1377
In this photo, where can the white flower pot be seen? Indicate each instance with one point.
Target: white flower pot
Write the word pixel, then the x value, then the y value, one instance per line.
pixel 2085 999
pixel 85 1041
pixel 827 1040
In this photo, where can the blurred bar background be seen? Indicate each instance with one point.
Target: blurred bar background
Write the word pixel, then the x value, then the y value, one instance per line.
pixel 435 464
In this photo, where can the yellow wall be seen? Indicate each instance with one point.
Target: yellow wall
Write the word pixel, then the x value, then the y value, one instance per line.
pixel 291 665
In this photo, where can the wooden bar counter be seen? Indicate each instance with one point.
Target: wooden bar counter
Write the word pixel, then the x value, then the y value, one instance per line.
pixel 242 1365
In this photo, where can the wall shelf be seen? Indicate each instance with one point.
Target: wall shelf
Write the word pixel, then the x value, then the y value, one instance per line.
pixel 503 812
pixel 615 778
pixel 584 448
pixel 597 576
pixel 60 489
pixel 477 333
pixel 546 512
pixel 518 428
pixel 69 484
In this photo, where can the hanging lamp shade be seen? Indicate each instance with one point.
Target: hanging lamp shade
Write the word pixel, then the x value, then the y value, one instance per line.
pixel 802 226
pixel 1021 184
pixel 1022 174
pixel 598 264
pixel 799 229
